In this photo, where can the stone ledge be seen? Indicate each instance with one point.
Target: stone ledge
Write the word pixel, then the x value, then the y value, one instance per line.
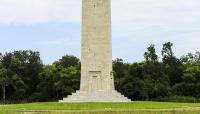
pixel 100 96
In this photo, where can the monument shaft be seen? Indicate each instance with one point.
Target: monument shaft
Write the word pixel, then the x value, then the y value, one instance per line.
pixel 97 83
pixel 96 60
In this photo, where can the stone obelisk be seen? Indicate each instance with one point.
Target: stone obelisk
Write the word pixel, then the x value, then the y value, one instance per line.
pixel 97 83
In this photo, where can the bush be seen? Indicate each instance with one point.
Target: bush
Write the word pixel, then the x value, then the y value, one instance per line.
pixel 181 99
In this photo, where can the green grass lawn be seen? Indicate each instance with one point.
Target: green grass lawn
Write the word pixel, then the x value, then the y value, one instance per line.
pixel 107 108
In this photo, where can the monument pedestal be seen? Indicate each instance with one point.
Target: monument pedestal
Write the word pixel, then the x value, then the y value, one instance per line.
pixel 100 96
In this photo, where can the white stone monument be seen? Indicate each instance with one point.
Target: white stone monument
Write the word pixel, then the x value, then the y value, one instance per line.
pixel 97 83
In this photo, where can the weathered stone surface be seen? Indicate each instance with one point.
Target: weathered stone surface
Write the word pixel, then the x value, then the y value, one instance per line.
pixel 99 96
pixel 97 83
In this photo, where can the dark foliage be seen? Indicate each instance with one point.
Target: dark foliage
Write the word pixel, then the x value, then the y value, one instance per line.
pixel 23 76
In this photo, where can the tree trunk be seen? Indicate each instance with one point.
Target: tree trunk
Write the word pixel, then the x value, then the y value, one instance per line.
pixel 4 93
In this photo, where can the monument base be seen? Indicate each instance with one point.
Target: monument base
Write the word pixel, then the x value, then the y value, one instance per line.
pixel 100 96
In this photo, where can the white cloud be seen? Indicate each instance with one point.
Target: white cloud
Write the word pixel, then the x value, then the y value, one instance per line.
pixel 28 12
pixel 54 42
pixel 148 12
pixel 138 22
pixel 142 14
pixel 124 12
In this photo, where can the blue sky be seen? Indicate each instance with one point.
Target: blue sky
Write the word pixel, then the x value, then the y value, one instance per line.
pixel 53 27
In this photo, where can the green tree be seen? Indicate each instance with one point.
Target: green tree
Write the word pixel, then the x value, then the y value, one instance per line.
pixel 154 75
pixel 150 55
pixel 120 72
pixel 22 69
pixel 134 85
pixel 4 81
pixel 191 58
pixel 173 66
pixel 69 60
pixel 190 86
pixel 61 78
pixel 167 52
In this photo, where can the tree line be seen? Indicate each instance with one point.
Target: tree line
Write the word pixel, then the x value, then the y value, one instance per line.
pixel 23 76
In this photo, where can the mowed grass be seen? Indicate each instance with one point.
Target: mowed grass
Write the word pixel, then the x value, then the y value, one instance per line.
pixel 106 108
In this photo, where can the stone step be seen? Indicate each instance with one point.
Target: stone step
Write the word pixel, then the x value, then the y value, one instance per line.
pixel 100 96
pixel 96 99
pixel 94 96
